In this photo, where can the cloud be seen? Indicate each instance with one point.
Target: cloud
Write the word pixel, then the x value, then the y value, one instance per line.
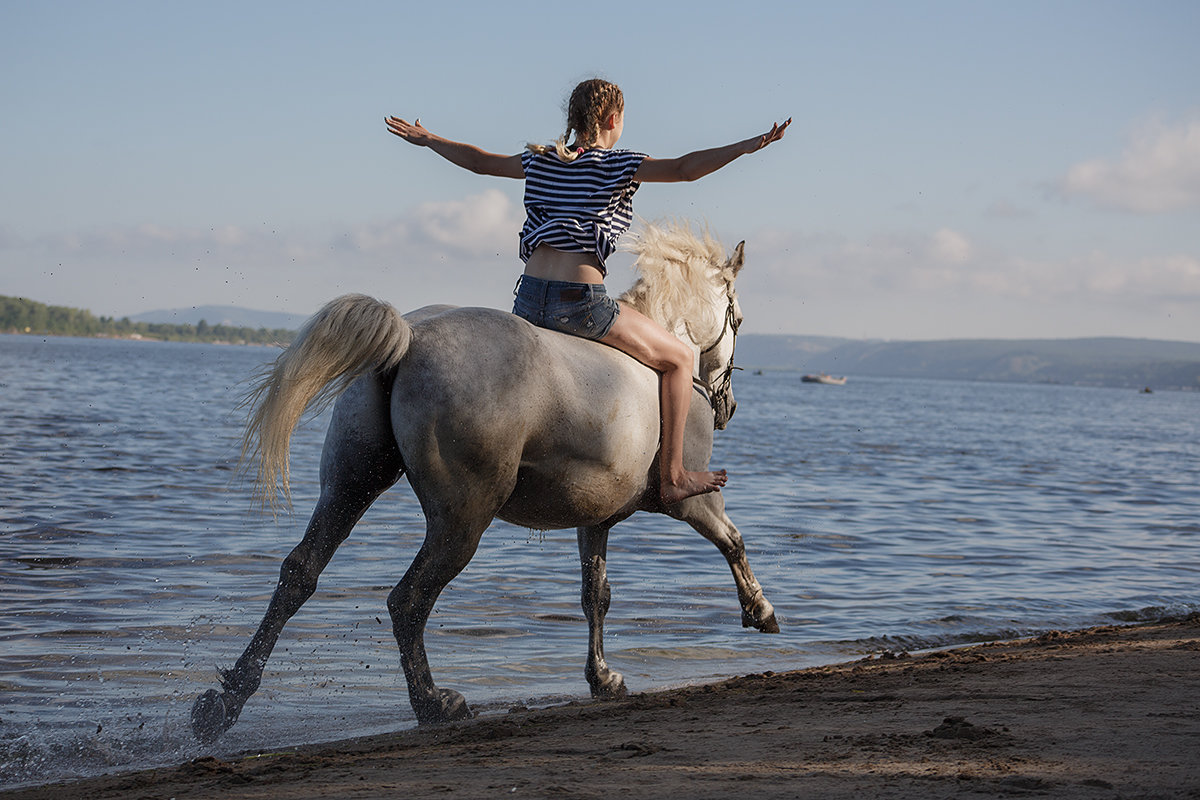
pixel 462 251
pixel 1174 278
pixel 889 262
pixel 478 225
pixel 1158 172
pixel 950 247
pixel 929 283
pixel 944 284
pixel 948 263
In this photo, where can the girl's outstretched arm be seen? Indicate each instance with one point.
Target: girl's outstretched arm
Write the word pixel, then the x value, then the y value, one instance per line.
pixel 703 162
pixel 466 156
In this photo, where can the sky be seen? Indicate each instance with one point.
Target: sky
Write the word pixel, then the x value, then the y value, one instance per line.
pixel 954 169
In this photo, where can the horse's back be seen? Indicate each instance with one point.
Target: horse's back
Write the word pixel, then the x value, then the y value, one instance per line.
pixel 564 429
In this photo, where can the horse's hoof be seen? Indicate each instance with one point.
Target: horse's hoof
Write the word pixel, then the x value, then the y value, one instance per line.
pixel 448 706
pixel 766 625
pixel 210 717
pixel 612 687
pixel 454 705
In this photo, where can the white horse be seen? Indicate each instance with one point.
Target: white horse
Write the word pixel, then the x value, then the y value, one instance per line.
pixel 489 416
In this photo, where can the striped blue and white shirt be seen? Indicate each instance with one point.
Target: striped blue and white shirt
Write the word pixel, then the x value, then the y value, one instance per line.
pixel 581 206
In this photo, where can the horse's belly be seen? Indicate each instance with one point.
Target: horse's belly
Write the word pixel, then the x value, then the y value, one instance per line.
pixel 584 479
pixel 580 495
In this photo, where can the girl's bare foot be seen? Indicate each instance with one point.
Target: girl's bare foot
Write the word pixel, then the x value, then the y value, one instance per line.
pixel 691 484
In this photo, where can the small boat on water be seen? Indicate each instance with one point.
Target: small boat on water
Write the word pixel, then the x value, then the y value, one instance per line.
pixel 822 377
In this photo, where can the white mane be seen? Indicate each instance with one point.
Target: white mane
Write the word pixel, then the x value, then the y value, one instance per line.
pixel 682 277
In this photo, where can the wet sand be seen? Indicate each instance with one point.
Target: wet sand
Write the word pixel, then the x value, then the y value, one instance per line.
pixel 1102 713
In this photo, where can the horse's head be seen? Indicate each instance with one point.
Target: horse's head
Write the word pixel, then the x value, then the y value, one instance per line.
pixel 687 286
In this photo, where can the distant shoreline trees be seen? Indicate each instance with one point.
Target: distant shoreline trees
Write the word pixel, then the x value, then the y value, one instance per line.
pixel 21 316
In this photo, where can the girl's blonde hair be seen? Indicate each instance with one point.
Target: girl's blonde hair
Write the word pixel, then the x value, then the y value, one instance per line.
pixel 591 103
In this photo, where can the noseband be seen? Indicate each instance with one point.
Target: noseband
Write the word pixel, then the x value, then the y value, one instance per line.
pixel 722 386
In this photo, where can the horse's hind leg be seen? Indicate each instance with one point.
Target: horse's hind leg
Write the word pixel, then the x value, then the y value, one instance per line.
pixel 596 595
pixel 451 538
pixel 359 462
pixel 706 514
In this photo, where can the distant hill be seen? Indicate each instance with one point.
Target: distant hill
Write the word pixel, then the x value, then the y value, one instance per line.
pixel 230 316
pixel 19 315
pixel 1087 362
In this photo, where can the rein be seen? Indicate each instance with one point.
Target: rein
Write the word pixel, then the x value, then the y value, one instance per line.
pixel 722 385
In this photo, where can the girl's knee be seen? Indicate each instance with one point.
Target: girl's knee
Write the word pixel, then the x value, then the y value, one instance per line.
pixel 677 355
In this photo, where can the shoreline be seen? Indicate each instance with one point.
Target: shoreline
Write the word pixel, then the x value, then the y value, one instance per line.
pixel 1102 712
pixel 142 338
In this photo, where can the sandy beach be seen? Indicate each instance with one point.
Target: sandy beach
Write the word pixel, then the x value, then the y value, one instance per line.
pixel 1101 713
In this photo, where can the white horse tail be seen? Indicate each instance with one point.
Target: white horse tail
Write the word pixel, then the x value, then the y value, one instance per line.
pixel 342 341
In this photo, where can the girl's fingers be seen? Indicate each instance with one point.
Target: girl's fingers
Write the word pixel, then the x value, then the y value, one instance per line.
pixel 776 132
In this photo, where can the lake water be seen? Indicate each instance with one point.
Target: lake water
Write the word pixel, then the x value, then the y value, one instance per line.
pixel 881 515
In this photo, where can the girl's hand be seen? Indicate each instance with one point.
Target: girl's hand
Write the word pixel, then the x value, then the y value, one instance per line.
pixel 773 135
pixel 413 132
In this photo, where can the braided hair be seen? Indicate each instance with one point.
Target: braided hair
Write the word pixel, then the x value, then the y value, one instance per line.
pixel 591 103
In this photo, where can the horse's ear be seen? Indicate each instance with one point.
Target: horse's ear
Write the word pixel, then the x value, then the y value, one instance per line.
pixel 739 258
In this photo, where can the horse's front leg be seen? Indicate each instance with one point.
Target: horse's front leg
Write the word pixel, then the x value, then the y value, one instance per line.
pixel 358 463
pixel 706 514
pixel 596 595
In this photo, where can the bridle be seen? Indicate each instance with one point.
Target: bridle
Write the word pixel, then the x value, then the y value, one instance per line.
pixel 720 389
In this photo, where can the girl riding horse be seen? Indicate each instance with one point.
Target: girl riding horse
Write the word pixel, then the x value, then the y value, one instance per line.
pixel 578 202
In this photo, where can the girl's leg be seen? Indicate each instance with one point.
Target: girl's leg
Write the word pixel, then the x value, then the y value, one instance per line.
pixel 647 341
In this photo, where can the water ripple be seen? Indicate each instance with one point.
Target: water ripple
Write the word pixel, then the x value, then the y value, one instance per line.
pixel 882 515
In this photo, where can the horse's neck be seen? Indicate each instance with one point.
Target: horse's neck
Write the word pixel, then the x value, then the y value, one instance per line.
pixel 680 329
pixel 638 297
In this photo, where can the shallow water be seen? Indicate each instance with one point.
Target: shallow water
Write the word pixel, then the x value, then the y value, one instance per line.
pixel 884 514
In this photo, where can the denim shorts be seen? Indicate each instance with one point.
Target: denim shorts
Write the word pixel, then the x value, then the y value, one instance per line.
pixel 580 309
